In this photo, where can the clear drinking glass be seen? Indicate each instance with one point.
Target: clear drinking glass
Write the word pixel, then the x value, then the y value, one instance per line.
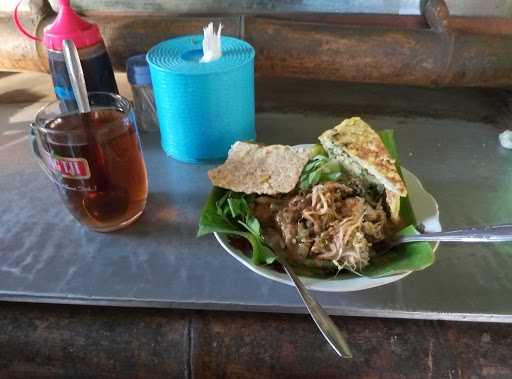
pixel 95 159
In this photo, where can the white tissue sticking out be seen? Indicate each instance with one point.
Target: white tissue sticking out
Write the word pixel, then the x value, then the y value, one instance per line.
pixel 211 44
pixel 506 139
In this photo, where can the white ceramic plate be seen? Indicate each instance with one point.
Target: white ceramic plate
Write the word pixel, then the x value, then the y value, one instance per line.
pixel 426 211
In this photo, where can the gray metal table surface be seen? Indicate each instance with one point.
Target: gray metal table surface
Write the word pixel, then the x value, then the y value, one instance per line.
pixel 46 256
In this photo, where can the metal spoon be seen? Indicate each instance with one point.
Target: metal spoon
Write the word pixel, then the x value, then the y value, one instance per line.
pixel 494 233
pixel 324 322
pixel 76 76
pixel 109 200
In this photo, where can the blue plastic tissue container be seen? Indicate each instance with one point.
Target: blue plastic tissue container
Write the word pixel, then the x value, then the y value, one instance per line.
pixel 202 108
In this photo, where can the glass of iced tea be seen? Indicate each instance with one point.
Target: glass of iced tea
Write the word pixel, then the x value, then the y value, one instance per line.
pixel 95 160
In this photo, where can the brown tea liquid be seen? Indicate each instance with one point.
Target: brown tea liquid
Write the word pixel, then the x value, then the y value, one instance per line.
pixel 99 165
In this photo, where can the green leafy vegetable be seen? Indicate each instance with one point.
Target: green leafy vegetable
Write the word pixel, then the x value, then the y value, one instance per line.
pixel 230 213
pixel 388 138
pixel 408 257
pixel 319 169
pixel 318 149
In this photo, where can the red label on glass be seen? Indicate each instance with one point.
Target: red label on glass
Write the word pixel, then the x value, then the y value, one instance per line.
pixel 72 168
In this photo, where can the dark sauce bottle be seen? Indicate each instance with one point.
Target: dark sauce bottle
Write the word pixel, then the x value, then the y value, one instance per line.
pixel 96 65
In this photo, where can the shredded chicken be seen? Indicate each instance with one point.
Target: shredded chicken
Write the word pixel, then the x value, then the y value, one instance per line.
pixel 288 221
pixel 331 222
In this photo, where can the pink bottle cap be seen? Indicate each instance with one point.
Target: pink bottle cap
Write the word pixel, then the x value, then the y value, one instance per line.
pixel 69 25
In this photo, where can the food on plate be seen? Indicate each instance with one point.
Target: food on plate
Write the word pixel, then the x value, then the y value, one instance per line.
pixel 325 207
pixel 362 153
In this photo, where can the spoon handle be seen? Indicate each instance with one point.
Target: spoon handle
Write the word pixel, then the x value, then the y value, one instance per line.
pixel 324 322
pixel 76 76
pixel 495 233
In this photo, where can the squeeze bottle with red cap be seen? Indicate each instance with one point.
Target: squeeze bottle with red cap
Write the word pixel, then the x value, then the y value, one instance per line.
pixel 94 58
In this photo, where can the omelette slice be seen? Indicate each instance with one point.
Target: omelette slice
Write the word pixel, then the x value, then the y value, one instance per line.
pixel 363 154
